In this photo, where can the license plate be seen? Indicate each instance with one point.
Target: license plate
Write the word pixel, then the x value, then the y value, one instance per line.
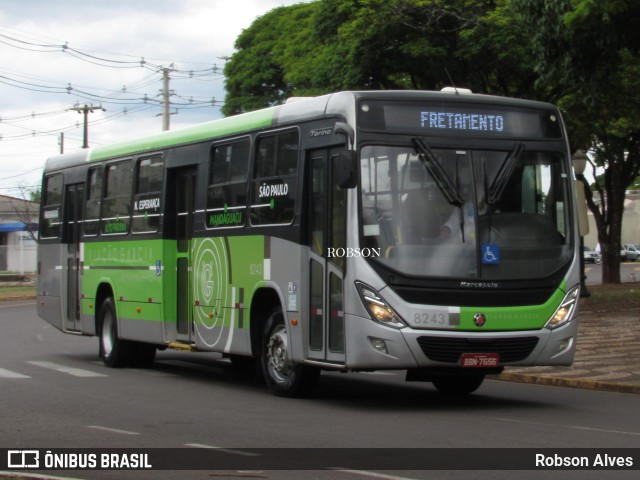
pixel 480 360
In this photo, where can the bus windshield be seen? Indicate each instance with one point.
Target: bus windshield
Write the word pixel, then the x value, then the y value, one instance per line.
pixel 466 213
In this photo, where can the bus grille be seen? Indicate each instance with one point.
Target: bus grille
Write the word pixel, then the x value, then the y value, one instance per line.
pixel 449 349
pixel 475 298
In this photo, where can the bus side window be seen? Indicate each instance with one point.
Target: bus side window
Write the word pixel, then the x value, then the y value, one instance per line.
pixel 227 191
pixel 148 194
pixel 116 207
pixel 275 179
pixel 92 206
pixel 51 207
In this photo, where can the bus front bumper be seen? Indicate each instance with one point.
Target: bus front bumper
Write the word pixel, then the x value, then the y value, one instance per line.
pixel 374 346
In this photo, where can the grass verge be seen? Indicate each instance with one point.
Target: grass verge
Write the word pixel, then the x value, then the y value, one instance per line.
pixel 623 297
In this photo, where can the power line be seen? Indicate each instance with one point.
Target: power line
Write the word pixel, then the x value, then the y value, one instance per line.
pixel 131 97
pixel 21 174
pixel 127 95
pixel 36 132
pixel 104 61
pixel 70 89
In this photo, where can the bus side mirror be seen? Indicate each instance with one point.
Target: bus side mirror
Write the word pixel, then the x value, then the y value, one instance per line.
pixel 345 169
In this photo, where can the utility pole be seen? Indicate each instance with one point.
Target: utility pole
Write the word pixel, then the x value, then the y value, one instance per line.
pixel 86 110
pixel 165 98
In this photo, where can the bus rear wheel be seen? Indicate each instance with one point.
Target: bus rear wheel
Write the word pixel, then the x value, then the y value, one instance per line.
pixel 283 376
pixel 114 352
pixel 458 384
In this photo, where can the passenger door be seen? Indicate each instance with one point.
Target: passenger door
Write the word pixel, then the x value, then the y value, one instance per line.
pixel 184 183
pixel 73 215
pixel 327 220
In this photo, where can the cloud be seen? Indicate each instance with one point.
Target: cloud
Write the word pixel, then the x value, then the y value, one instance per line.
pixel 190 34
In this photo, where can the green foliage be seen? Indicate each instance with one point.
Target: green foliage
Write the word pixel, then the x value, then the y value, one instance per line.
pixel 268 51
pixel 583 55
pixel 331 45
pixel 588 61
pixel 34 195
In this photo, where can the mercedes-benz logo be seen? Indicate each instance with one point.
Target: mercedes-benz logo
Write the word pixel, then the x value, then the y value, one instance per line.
pixel 479 319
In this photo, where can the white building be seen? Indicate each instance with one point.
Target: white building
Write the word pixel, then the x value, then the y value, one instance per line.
pixel 630 222
pixel 18 231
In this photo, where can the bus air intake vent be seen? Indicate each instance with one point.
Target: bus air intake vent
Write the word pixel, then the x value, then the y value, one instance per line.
pixel 449 349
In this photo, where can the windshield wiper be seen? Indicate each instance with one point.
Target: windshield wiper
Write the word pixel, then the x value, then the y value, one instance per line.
pixel 431 163
pixel 499 183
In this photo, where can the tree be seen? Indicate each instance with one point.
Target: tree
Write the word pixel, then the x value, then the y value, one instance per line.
pixel 257 74
pixel 588 61
pixel 581 54
pixel 331 45
pixel 26 209
pixel 427 44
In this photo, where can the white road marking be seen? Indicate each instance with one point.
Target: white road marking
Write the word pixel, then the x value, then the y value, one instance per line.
pixel 225 450
pixel 76 372
pixel 4 373
pixel 112 430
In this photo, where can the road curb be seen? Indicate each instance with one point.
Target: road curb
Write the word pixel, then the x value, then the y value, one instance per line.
pixel 582 383
pixel 17 298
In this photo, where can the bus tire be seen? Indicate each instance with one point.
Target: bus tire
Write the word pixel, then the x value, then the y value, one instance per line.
pixel 458 384
pixel 283 376
pixel 114 352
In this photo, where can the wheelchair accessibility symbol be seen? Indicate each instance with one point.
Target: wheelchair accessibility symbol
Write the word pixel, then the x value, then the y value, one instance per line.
pixel 490 254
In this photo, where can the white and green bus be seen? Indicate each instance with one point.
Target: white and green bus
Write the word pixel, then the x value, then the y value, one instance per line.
pixel 432 232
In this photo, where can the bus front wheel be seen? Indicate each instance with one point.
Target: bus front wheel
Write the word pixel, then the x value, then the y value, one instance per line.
pixel 283 376
pixel 114 352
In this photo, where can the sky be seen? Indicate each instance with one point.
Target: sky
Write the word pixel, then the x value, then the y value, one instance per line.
pixel 57 56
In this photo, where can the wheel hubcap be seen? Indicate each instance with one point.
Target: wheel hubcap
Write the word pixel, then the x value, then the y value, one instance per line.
pixel 278 361
pixel 107 334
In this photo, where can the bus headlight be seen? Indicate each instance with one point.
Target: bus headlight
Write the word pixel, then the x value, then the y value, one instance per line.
pixel 565 311
pixel 378 308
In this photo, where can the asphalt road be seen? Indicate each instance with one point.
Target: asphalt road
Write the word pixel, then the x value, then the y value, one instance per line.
pixel 56 394
pixel 629 272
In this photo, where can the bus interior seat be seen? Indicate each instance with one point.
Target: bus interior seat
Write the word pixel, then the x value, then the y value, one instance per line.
pixel 423 208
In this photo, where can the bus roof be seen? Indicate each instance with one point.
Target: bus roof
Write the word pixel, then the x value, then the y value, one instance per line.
pixel 338 104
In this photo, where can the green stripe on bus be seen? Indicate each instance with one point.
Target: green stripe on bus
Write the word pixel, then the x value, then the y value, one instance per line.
pixel 216 128
pixel 530 317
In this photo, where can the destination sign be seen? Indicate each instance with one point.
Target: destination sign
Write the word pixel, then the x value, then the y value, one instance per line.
pixel 458 119
pixel 487 122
